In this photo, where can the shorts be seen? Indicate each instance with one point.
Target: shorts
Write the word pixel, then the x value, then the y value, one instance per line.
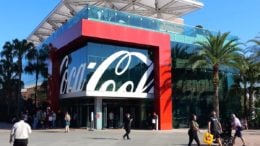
pixel 238 132
pixel 20 142
pixel 67 123
pixel 215 134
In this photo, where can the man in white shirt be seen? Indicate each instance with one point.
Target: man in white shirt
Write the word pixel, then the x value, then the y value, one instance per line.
pixel 236 124
pixel 20 133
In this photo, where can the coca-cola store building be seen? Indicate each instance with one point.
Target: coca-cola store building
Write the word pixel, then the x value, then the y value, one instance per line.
pixel 106 63
pixel 100 71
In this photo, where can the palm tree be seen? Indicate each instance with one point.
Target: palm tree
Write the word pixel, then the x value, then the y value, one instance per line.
pixel 21 49
pixel 217 50
pixel 255 49
pixel 244 65
pixel 8 72
pixel 253 72
pixel 38 65
pixel 249 74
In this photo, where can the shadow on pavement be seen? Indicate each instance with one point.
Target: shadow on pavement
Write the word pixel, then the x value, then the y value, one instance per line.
pixel 102 138
pixel 203 144
pixel 51 131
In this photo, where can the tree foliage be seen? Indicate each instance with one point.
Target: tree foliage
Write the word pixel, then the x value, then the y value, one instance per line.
pixel 216 51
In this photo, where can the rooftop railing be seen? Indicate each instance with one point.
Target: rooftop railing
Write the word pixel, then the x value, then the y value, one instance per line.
pixel 178 32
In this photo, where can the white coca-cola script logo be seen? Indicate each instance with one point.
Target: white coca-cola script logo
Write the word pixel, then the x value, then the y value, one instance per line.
pixel 74 80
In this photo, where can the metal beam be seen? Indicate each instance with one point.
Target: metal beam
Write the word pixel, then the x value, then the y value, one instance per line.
pixel 167 5
pixel 72 10
pixel 145 6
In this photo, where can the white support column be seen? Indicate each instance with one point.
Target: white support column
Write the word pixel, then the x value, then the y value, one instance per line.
pixel 98 113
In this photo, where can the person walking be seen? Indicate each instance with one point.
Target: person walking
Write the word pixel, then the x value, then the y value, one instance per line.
pixel 236 124
pixel 67 119
pixel 214 127
pixel 54 117
pixel 244 123
pixel 20 132
pixel 127 126
pixel 193 130
pixel 155 121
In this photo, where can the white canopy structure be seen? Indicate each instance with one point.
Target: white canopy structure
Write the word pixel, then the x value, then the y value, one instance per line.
pixel 66 9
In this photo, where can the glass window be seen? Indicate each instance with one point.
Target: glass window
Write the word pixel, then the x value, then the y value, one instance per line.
pixel 193 90
pixel 106 67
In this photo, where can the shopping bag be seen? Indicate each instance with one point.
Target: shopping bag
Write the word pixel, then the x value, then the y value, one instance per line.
pixel 208 138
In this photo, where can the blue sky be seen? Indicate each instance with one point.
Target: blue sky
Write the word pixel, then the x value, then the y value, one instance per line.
pixel 20 17
pixel 240 17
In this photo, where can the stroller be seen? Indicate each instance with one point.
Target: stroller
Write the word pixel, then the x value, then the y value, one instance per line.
pixel 226 135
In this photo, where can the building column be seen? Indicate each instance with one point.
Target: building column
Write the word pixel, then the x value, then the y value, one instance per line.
pixel 54 78
pixel 98 113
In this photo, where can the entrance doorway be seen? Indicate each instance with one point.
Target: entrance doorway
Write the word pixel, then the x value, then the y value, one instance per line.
pixel 87 115
pixel 114 111
pixel 112 116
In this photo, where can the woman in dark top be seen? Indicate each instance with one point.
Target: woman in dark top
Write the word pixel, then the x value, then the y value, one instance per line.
pixel 193 130
pixel 215 128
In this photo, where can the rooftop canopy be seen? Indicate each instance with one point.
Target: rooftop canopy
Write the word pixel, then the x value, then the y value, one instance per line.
pixel 66 9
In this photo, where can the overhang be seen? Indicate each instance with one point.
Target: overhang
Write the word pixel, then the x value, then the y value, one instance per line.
pixel 66 9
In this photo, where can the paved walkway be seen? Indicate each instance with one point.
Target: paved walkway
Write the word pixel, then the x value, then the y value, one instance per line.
pixel 83 137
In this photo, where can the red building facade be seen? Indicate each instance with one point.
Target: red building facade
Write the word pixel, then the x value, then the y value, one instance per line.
pixel 65 86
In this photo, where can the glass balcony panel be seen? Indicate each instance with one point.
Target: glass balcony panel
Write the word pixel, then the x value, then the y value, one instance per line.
pixel 176 31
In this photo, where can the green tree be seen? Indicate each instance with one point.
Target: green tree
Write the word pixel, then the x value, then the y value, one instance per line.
pixel 253 73
pixel 247 71
pixel 8 79
pixel 21 49
pixel 217 50
pixel 248 66
pixel 37 65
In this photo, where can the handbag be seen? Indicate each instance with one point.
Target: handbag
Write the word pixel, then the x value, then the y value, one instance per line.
pixel 208 138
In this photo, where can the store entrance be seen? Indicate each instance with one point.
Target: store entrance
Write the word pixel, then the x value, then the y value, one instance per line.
pixel 114 115
pixel 114 111
pixel 87 115
pixel 82 111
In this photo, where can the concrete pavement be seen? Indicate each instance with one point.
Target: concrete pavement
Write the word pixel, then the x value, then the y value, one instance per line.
pixel 83 137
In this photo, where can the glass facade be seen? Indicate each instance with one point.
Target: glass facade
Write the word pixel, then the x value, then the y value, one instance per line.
pixel 109 69
pixel 193 89
pixel 122 75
